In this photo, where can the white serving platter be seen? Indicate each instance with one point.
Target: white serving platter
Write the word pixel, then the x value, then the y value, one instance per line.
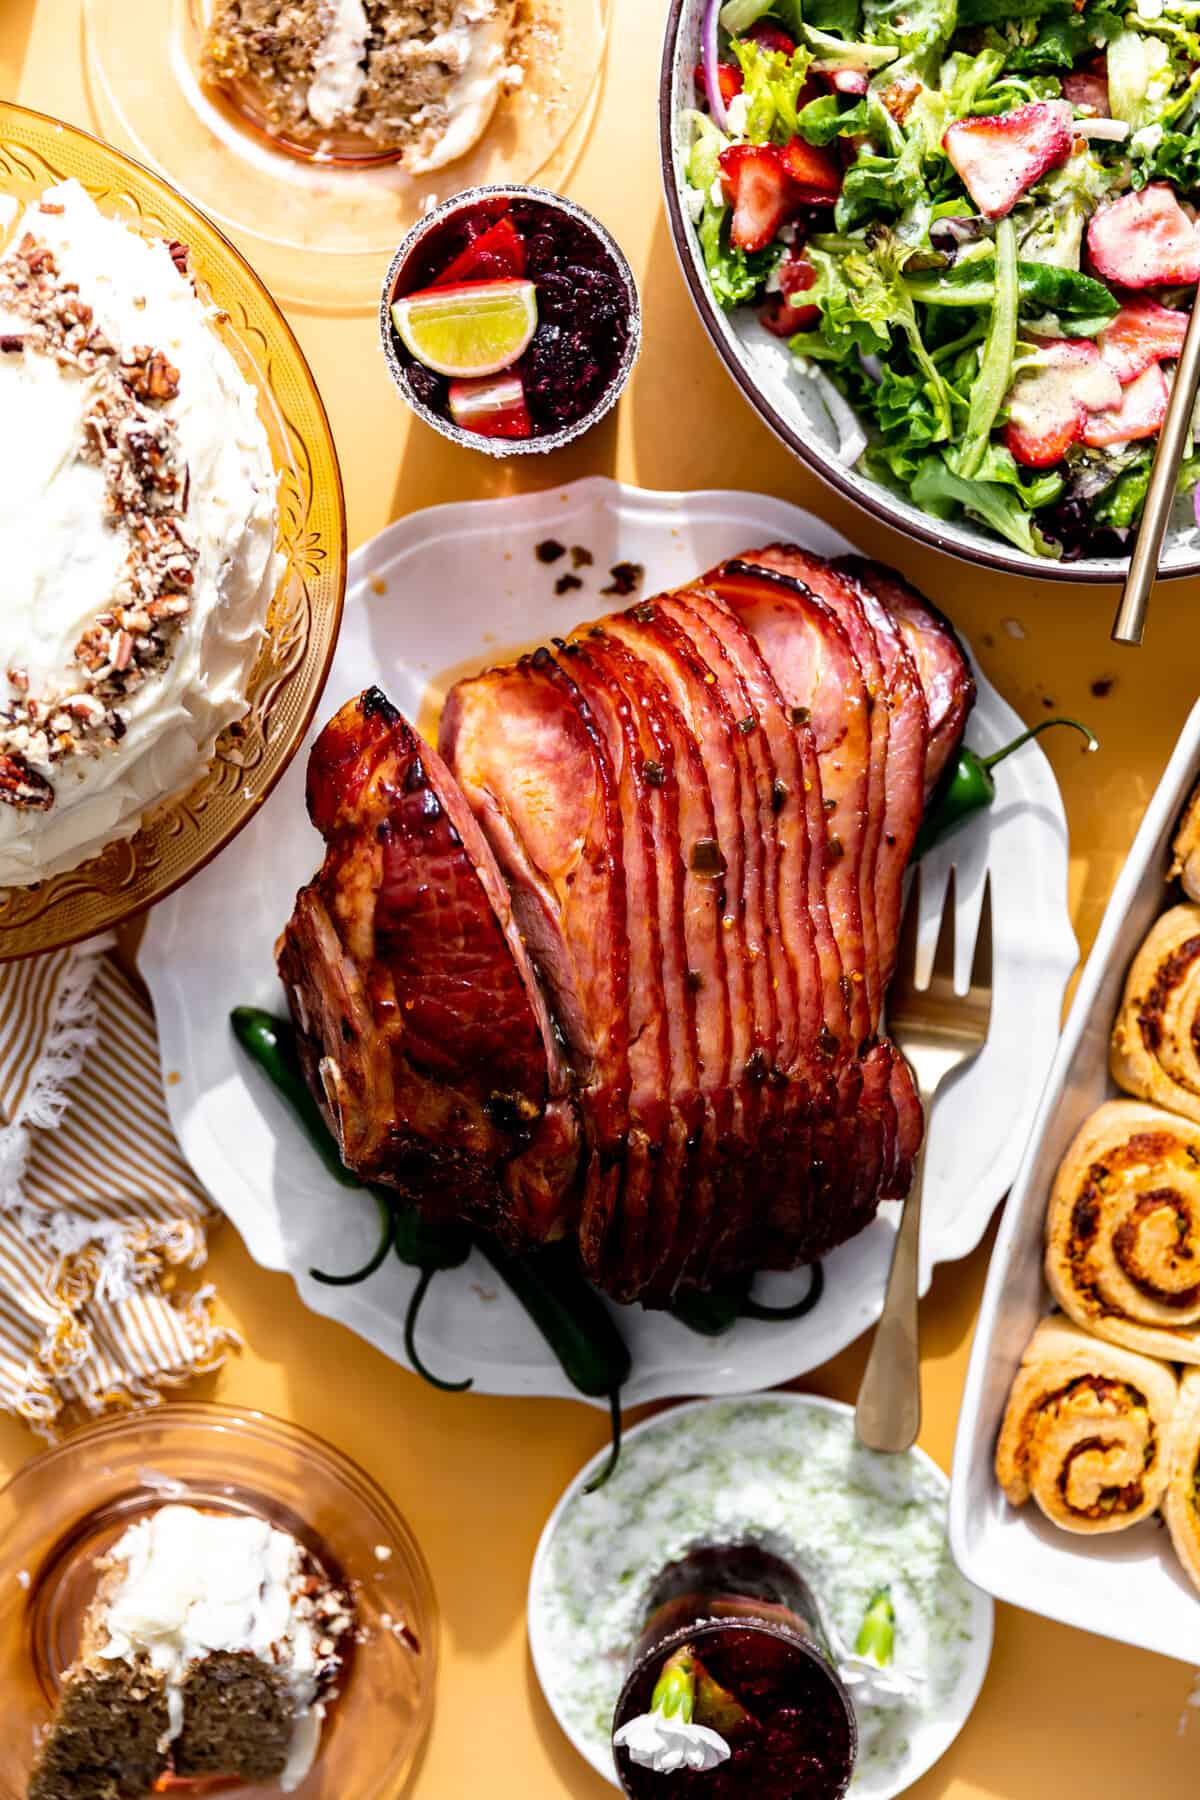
pixel 1127 1585
pixel 450 589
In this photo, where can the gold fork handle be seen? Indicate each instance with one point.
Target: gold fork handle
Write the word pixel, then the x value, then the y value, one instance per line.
pixel 888 1414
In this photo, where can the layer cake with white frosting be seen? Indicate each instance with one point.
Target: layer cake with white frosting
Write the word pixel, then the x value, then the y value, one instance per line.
pixel 137 532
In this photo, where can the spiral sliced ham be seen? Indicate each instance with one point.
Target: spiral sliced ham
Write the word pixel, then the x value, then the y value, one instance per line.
pixel 612 965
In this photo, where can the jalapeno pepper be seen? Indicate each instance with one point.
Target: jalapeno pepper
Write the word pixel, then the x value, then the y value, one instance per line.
pixel 713 1314
pixel 272 1044
pixel 566 1309
pixel 420 1243
pixel 575 1323
pixel 969 785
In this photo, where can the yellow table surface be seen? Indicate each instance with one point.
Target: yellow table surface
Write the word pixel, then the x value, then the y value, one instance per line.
pixel 1061 1710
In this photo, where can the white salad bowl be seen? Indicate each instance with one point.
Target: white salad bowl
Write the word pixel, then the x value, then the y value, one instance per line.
pixel 803 407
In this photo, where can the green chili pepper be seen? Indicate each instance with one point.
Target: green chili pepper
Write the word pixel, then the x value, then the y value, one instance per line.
pixel 419 1242
pixel 575 1323
pixel 272 1044
pixel 377 1258
pixel 712 1315
pixel 568 1312
pixel 877 1633
pixel 969 785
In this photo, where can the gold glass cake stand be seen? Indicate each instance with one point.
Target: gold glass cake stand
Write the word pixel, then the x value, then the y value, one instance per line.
pixel 183 832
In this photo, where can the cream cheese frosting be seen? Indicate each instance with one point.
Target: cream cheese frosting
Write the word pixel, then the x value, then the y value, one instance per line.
pixel 194 1583
pixel 64 550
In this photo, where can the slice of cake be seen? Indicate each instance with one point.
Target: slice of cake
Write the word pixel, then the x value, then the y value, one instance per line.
pixel 211 1648
pixel 419 77
pixel 138 516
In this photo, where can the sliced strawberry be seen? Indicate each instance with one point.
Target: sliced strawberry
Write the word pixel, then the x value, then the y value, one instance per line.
pixel 795 275
pixel 760 191
pixel 492 405
pixel 848 81
pixel 1145 238
pixel 1141 412
pixel 730 80
pixel 1142 333
pixel 497 254
pixel 1000 158
pixel 814 171
pixel 1048 406
pixel 1088 88
pixel 771 37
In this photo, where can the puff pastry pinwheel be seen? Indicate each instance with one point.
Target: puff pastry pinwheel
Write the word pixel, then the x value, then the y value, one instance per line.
pixel 1085 1430
pixel 1186 865
pixel 1123 1230
pixel 1154 1051
pixel 1182 1503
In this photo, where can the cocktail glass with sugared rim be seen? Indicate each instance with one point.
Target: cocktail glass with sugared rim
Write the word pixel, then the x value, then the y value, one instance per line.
pixel 732 1689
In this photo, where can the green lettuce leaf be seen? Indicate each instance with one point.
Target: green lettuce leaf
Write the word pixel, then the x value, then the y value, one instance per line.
pixel 772 89
pixel 938 490
pixel 824 119
pixel 736 276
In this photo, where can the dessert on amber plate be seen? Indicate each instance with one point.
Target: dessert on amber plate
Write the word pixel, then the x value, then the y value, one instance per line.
pixel 231 1544
pixel 190 488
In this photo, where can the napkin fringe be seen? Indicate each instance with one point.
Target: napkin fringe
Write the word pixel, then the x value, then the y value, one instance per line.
pixel 51 1388
pixel 71 1034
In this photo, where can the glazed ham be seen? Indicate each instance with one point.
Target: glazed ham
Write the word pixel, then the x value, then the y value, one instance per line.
pixel 613 965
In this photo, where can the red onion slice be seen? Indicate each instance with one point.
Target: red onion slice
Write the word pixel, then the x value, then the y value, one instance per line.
pixel 709 57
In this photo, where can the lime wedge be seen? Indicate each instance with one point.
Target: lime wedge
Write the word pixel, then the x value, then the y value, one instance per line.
pixel 476 328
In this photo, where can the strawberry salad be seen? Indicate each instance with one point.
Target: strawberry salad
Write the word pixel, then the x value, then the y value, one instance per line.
pixel 973 225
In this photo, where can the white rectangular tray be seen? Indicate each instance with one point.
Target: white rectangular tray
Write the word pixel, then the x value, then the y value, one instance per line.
pixel 1126 1585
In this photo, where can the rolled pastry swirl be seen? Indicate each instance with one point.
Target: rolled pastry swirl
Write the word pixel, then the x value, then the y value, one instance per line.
pixel 1186 866
pixel 1085 1431
pixel 1156 1041
pixel 1182 1502
pixel 1123 1230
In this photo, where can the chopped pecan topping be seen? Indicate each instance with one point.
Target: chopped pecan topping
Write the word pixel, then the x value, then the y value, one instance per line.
pixel 22 786
pixel 126 433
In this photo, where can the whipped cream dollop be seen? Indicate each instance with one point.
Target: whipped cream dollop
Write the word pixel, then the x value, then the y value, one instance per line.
pixel 194 1583
pixel 64 549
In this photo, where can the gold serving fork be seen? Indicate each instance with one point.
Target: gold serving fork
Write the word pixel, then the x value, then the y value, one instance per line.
pixel 939 1031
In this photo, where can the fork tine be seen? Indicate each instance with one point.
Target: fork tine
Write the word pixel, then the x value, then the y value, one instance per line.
pixel 943 959
pixel 981 963
pixel 933 910
pixel 910 932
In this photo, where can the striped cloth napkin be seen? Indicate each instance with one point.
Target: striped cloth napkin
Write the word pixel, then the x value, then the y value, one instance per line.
pixel 100 1217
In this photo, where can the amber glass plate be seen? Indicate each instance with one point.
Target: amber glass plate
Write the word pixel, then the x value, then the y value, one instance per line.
pixel 181 834
pixel 67 1507
pixel 321 227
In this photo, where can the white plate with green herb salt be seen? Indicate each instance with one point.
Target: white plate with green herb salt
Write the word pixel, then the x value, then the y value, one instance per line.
pixel 784 1471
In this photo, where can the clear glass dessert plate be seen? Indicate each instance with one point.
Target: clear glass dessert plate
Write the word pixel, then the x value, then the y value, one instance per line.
pixel 67 1507
pixel 182 833
pixel 320 227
